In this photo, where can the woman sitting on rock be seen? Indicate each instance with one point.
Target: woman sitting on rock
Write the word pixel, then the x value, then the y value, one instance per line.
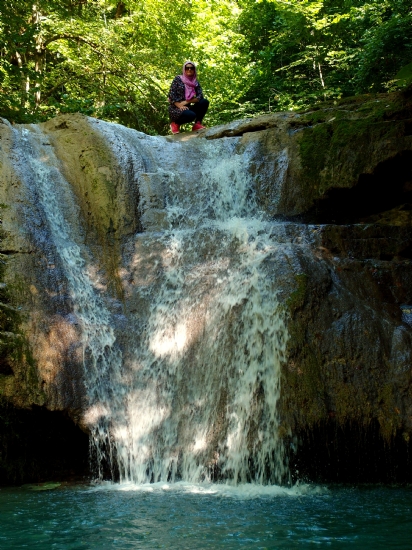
pixel 187 103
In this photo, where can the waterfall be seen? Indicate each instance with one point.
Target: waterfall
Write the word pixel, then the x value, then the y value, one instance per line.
pixel 102 359
pixel 191 392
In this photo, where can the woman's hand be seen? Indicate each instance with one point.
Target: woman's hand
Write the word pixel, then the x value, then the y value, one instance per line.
pixel 182 105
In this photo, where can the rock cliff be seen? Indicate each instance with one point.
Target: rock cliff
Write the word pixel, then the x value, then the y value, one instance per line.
pixel 338 178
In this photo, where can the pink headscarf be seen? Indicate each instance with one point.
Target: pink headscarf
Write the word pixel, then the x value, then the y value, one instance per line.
pixel 189 82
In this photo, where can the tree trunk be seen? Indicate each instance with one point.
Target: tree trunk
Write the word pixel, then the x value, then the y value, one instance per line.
pixel 120 9
pixel 321 75
pixel 39 55
pixel 25 81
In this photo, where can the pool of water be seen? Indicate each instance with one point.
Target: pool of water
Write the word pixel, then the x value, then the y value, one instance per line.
pixel 196 517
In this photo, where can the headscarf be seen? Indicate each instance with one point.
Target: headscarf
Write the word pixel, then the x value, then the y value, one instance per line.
pixel 189 82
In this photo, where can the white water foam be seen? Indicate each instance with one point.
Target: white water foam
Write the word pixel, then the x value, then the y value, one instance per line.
pixel 246 491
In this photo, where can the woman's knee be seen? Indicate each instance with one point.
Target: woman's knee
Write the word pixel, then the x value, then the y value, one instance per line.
pixel 186 116
pixel 204 103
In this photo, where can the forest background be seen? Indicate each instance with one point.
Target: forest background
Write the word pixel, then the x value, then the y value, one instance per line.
pixel 115 59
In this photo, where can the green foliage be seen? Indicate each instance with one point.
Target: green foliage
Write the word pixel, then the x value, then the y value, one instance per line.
pixel 314 146
pixel 404 76
pixel 99 57
pixel 115 59
pixel 308 51
pixel 386 47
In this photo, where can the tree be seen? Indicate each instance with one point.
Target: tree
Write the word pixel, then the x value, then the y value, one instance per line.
pixel 305 51
pixel 115 59
pixel 96 57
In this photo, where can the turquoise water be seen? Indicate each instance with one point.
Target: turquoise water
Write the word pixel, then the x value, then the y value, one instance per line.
pixel 196 517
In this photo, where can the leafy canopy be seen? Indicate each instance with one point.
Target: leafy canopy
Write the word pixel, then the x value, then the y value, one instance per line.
pixel 115 59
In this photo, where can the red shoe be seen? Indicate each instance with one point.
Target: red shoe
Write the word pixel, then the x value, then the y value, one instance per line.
pixel 175 128
pixel 197 126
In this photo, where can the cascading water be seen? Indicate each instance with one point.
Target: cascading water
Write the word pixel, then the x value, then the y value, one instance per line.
pixel 192 393
pixel 39 168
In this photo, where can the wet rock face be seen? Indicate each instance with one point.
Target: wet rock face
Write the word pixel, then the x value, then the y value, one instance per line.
pixel 44 364
pixel 349 167
pixel 350 349
pixel 339 180
pixel 339 164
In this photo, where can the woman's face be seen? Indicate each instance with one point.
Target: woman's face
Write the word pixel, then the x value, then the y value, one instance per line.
pixel 189 70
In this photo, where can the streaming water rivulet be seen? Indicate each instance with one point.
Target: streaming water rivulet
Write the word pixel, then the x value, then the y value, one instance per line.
pixel 187 387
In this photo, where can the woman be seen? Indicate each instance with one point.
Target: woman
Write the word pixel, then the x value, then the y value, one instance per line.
pixel 187 103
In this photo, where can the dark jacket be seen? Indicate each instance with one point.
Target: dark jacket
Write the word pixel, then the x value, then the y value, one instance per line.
pixel 177 94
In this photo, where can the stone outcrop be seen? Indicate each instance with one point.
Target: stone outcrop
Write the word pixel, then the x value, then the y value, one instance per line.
pixel 334 162
pixel 339 178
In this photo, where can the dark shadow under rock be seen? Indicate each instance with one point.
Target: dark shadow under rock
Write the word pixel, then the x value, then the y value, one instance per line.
pixel 37 445
pixel 331 453
pixel 388 187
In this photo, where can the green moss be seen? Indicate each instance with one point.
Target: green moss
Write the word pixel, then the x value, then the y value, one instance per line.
pixel 297 297
pixel 314 146
pixel 388 414
pixel 18 369
pixel 305 401
pixel 330 137
pixel 303 385
pixel 344 399
pixel 9 318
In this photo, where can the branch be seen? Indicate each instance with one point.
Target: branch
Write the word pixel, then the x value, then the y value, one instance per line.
pixel 70 37
pixel 68 79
